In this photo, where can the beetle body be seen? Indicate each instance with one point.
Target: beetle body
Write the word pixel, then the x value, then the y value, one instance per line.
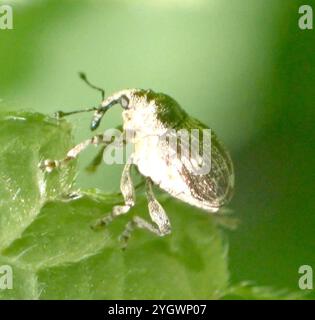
pixel 152 117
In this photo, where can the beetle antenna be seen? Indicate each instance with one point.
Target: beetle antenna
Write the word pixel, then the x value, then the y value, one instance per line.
pixel 83 77
pixel 61 114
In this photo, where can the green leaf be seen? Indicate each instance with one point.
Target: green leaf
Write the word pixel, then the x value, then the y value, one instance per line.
pixel 248 291
pixel 25 140
pixel 45 236
pixel 55 254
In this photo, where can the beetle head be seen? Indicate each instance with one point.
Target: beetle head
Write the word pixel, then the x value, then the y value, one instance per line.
pixel 133 101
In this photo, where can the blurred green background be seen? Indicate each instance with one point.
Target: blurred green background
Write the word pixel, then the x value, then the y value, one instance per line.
pixel 243 67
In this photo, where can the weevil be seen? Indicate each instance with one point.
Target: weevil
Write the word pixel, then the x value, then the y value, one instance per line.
pixel 151 115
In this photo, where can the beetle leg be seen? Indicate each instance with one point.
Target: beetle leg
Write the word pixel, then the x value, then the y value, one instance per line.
pixel 50 165
pixel 97 160
pixel 157 215
pixel 137 222
pixel 128 192
pixel 156 211
pixel 224 219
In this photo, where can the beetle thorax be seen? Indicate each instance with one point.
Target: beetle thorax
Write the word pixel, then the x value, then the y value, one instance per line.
pixel 141 120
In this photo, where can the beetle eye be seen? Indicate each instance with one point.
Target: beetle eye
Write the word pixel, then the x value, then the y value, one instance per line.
pixel 124 101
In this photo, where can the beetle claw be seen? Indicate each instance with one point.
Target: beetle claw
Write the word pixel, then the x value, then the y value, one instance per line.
pixel 48 165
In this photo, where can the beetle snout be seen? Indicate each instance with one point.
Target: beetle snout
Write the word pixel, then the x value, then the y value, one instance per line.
pixel 95 124
pixel 96 120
